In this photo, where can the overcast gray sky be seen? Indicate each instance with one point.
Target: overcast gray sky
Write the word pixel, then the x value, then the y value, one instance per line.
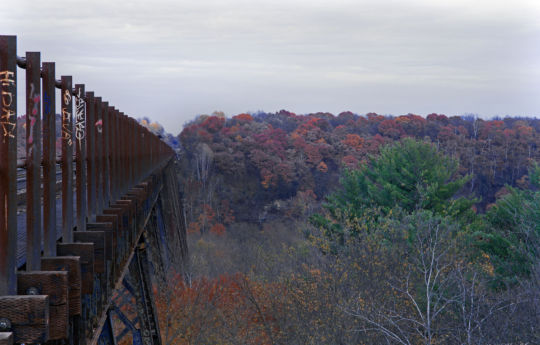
pixel 172 60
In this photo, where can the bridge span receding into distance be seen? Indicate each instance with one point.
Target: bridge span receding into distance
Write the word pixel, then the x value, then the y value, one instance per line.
pixel 82 241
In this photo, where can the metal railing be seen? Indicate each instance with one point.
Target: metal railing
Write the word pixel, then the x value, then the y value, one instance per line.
pixel 112 154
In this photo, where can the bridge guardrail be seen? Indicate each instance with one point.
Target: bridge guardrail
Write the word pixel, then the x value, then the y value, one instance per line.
pixel 114 157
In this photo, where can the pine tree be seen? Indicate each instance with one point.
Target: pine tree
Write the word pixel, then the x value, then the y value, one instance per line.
pixel 410 175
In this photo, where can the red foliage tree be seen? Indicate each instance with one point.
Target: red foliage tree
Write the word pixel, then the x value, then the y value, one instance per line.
pixel 242 118
pixel 213 124
pixel 218 229
pixel 391 128
pixel 354 141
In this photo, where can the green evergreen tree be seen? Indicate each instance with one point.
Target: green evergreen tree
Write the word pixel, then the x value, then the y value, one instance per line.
pixel 410 175
pixel 511 233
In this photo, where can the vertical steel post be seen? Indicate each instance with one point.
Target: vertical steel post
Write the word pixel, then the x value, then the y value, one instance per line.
pixel 8 165
pixel 80 149
pixel 114 156
pixel 91 155
pixel 105 143
pixel 67 160
pixel 152 152
pixel 133 151
pixel 128 151
pixel 144 151
pixel 131 154
pixel 49 159
pixel 33 161
pixel 110 145
pixel 140 157
pixel 148 140
pixel 123 152
pixel 99 152
pixel 112 138
pixel 117 152
pixel 149 150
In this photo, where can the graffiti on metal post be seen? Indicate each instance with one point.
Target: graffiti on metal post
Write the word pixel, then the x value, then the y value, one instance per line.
pixel 46 103
pixel 7 80
pixel 66 118
pixel 80 118
pixel 35 101
pixel 99 125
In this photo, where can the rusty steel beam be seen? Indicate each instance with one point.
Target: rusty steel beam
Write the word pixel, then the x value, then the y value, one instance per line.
pixel 80 153
pixel 121 149
pixel 134 139
pixel 105 156
pixel 129 139
pixel 33 161
pixel 98 154
pixel 49 158
pixel 117 155
pixel 67 160
pixel 8 165
pixel 127 153
pixel 90 156
pixel 148 149
pixel 112 160
pixel 109 158
pixel 138 156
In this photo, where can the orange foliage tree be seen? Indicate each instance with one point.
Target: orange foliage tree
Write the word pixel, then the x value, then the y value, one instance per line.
pixel 229 309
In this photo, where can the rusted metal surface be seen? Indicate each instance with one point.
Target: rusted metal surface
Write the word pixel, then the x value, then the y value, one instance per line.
pixel 8 165
pixel 49 159
pixel 66 99
pixel 98 130
pixel 80 149
pixel 33 161
pixel 125 152
pixel 91 156
pixel 105 154
pixel 130 157
pixel 113 137
pixel 117 163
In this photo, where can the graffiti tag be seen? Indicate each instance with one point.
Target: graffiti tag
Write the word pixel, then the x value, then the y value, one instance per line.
pixel 66 119
pixel 7 79
pixel 80 118
pixel 35 106
pixel 99 125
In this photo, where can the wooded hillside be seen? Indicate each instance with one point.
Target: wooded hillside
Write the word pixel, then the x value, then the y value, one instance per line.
pixel 261 158
pixel 348 229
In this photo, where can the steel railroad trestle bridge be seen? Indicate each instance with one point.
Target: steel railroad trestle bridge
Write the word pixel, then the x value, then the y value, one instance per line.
pixel 79 267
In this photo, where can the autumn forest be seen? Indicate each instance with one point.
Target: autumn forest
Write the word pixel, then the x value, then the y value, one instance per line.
pixel 357 229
